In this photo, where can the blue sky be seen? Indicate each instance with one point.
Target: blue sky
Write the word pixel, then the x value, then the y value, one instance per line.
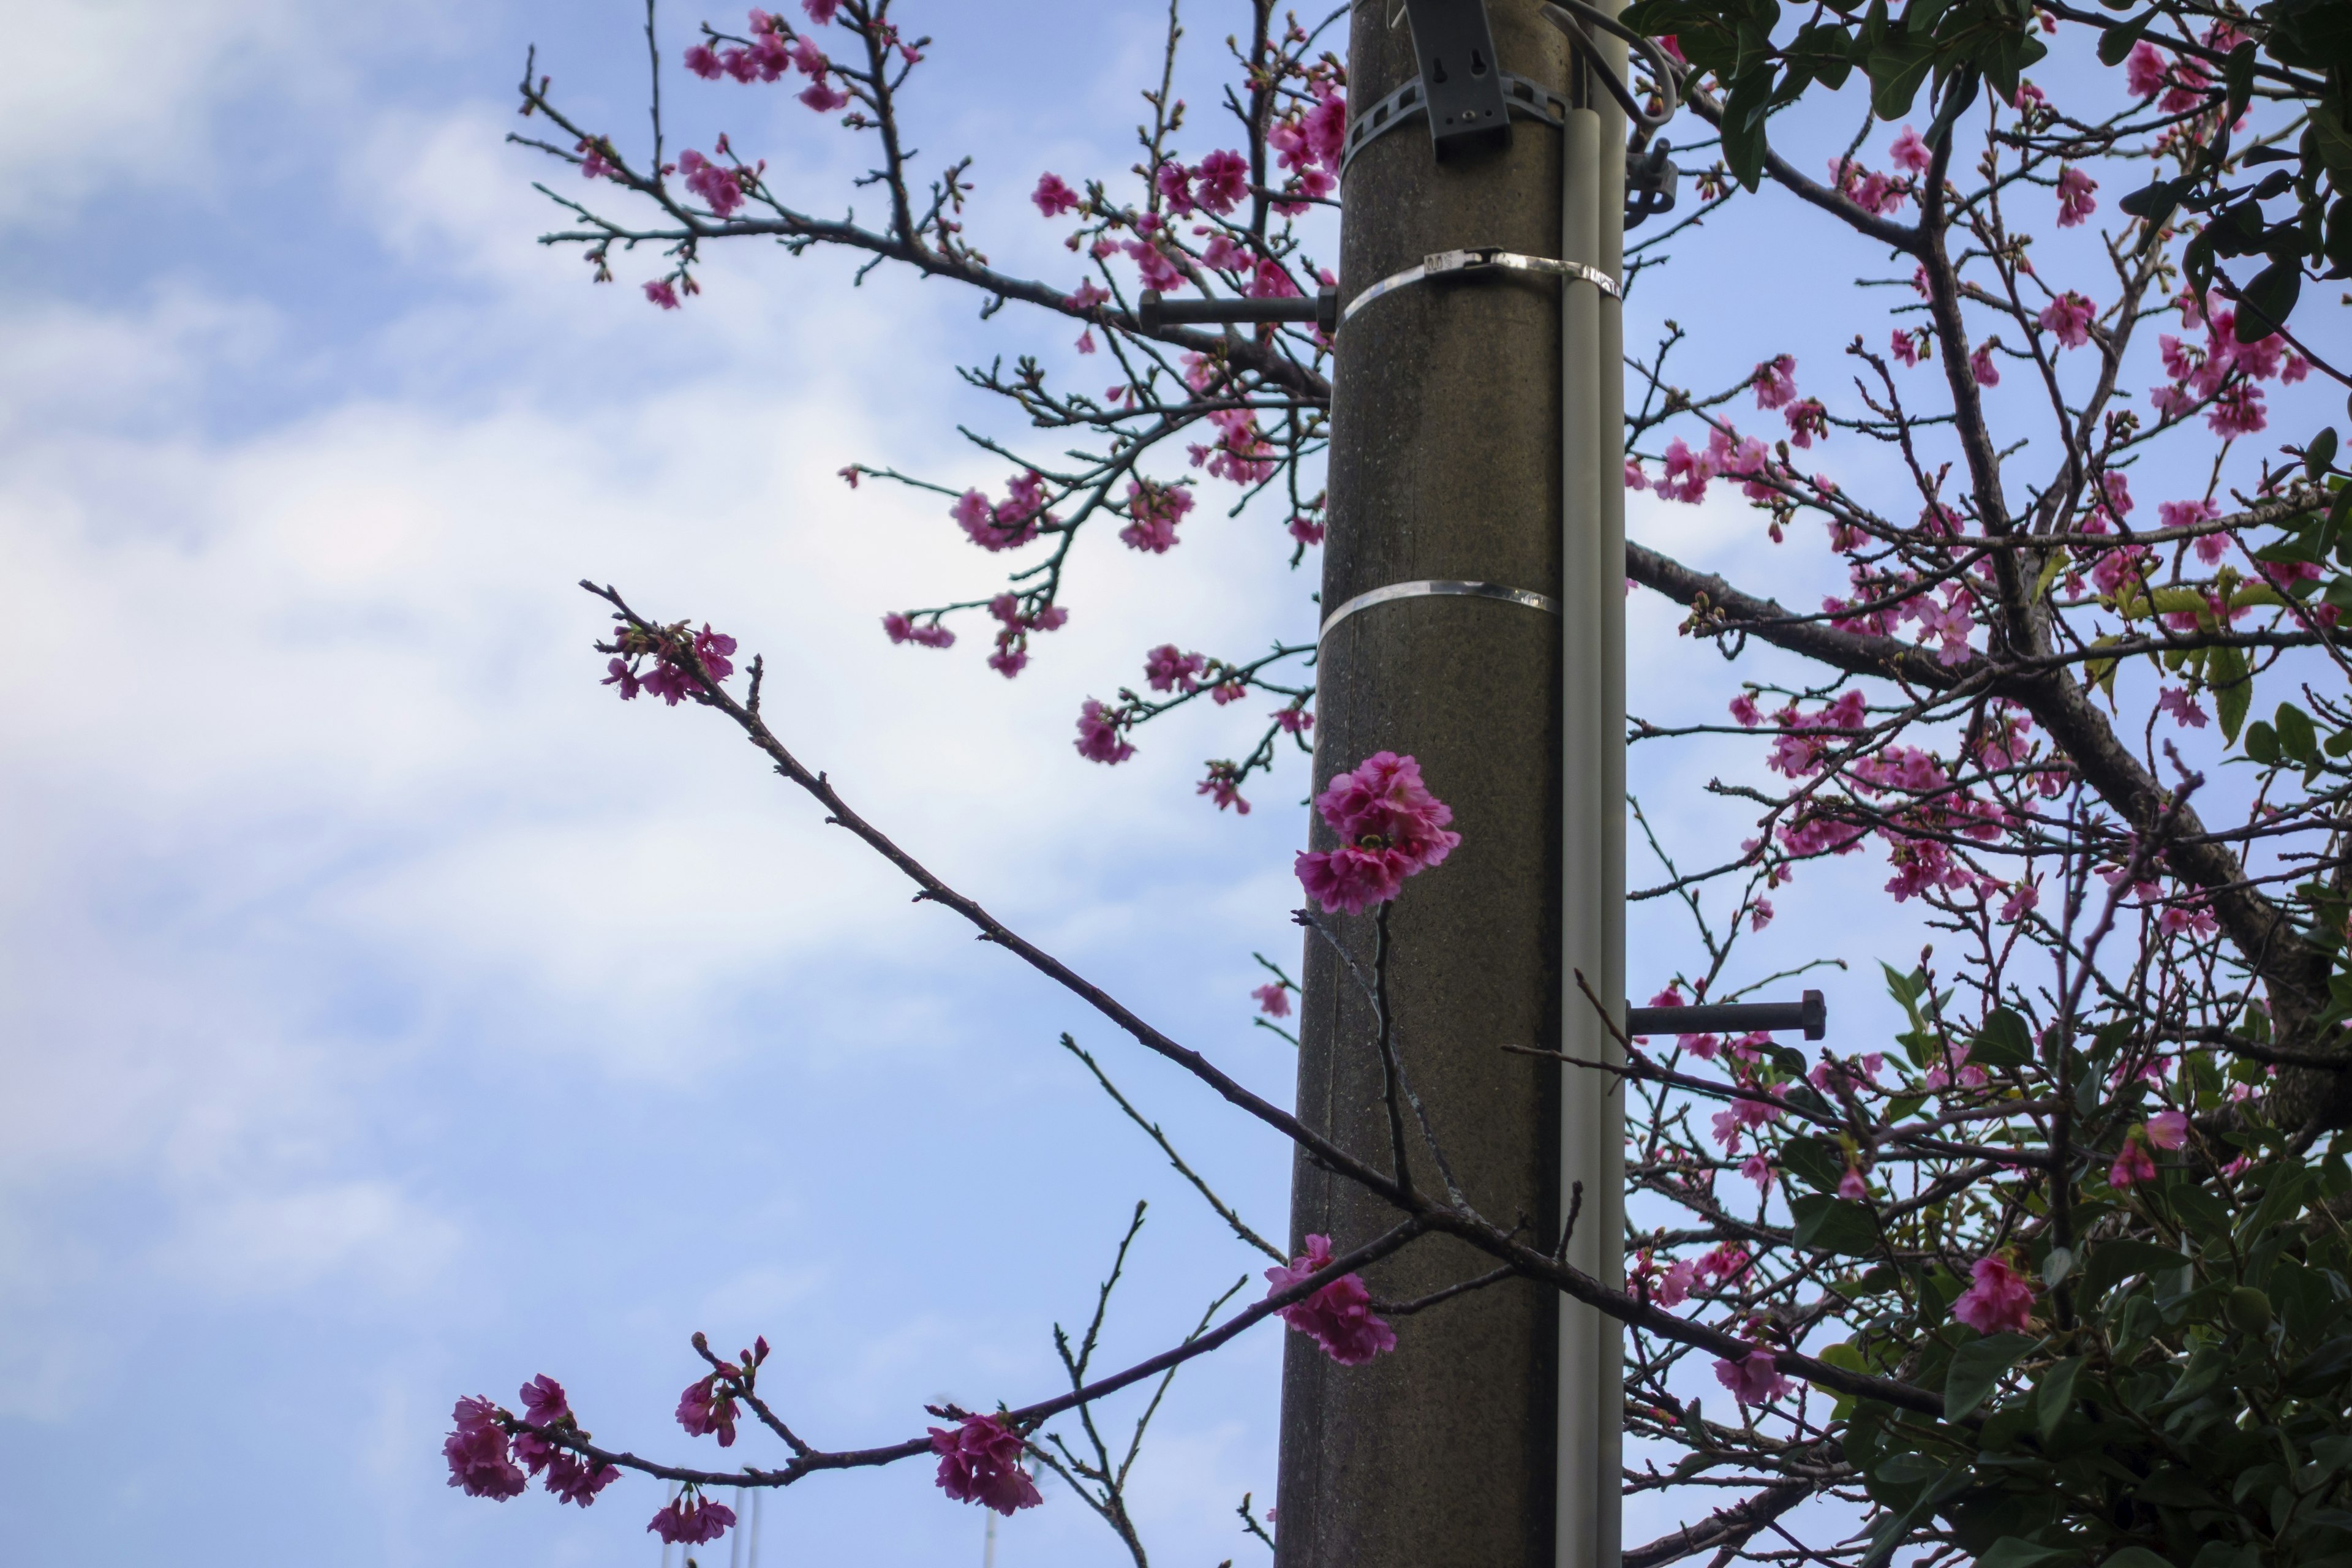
pixel 387 1014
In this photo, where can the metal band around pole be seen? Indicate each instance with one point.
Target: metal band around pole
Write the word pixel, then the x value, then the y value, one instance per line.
pixel 1482 259
pixel 1437 590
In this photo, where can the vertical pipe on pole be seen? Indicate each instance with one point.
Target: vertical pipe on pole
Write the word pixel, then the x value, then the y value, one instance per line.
pixel 1584 783
pixel 1609 384
pixel 1592 932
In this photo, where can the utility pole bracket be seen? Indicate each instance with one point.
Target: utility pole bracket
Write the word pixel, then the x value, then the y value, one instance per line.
pixel 1650 183
pixel 1811 1015
pixel 1153 312
pixel 1461 84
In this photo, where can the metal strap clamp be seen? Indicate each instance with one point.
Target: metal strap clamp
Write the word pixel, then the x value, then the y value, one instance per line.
pixel 1437 590
pixel 1481 260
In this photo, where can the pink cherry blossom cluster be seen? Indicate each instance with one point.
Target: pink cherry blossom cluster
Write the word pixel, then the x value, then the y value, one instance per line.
pixel 2075 203
pixel 1674 1285
pixel 1309 143
pixel 1014 621
pixel 482 1457
pixel 659 664
pixel 2223 371
pixel 1241 452
pixel 722 188
pixel 1339 1316
pixel 1390 827
pixel 1998 1300
pixel 774 51
pixel 1100 738
pixel 1153 512
pixel 1273 999
pixel 1007 524
pixel 1743 457
pixel 1218 184
pixel 1753 1379
pixel 979 1461
pixel 1223 785
pixel 692 1520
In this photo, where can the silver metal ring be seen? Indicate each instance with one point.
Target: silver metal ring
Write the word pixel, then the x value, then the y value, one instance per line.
pixel 1478 260
pixel 1437 590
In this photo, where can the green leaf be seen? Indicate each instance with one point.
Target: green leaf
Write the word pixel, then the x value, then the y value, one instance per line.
pixel 2263 743
pixel 2296 737
pixel 1821 52
pixel 2055 1395
pixel 1816 1162
pixel 2155 203
pixel 2319 454
pixel 1977 1369
pixel 1834 1224
pixel 1896 68
pixel 2015 1552
pixel 2117 41
pixel 2233 690
pixel 2121 1258
pixel 2264 304
pixel 1959 94
pixel 2238 78
pixel 2004 1041
pixel 1743 125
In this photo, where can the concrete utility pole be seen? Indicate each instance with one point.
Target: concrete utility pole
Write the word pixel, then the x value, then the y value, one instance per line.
pixel 1474 441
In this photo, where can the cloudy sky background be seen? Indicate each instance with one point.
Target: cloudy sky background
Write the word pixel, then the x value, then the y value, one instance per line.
pixel 386 1012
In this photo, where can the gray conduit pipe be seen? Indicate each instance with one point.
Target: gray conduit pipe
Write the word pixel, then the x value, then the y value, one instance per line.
pixel 1592 818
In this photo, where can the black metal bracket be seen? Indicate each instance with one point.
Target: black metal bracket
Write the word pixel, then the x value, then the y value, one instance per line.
pixel 1459 74
pixel 1650 183
pixel 1811 1015
pixel 1153 312
pixel 1520 96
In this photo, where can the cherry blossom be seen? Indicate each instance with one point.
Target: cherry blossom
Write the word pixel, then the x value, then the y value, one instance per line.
pixel 2132 1165
pixel 706 1408
pixel 2075 203
pixel 1775 383
pixel 2183 708
pixel 1390 827
pixel 899 629
pixel 1339 1316
pixel 1851 1185
pixel 576 1480
pixel 979 1461
pixel 661 293
pixel 1981 367
pixel 1053 196
pixel 543 1401
pixel 720 188
pixel 1686 474
pixel 480 1462
pixel 1223 181
pixel 1154 511
pixel 1166 669
pixel 2166 1129
pixel 1753 1380
pixel 692 1520
pixel 1098 738
pixel 1999 1301
pixel 2069 319
pixel 1273 999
